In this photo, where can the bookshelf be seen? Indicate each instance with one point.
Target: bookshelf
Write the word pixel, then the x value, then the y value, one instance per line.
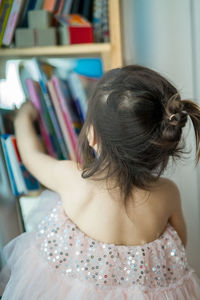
pixel 111 53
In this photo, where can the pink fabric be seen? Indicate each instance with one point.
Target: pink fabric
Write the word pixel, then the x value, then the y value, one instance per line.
pixel 59 261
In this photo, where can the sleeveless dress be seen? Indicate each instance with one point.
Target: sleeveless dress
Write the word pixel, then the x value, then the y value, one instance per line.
pixel 59 261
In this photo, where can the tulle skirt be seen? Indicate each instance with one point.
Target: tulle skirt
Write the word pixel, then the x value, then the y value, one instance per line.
pixel 28 276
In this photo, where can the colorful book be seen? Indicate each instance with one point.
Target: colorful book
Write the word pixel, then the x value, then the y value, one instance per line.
pixel 8 165
pixel 31 183
pixel 13 159
pixel 5 9
pixel 63 125
pixel 62 151
pixel 34 95
pixel 78 94
pixel 12 22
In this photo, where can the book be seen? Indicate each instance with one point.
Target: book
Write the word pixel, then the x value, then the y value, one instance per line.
pixel 67 7
pixel 34 95
pixel 5 9
pixel 76 7
pixel 31 183
pixel 65 101
pixel 87 9
pixel 6 190
pixel 49 110
pixel 49 5
pixel 14 165
pixel 78 94
pixel 12 22
pixel 64 128
pixel 28 5
pixel 8 165
pixel 38 4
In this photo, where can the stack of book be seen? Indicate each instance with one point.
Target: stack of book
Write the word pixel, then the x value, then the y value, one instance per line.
pixel 50 22
pixel 62 107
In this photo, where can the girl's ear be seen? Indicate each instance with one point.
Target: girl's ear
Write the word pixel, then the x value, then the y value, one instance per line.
pixel 91 138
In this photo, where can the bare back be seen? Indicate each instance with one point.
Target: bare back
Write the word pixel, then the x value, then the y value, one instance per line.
pixel 101 214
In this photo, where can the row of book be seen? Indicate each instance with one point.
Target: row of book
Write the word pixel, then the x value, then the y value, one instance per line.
pixel 61 102
pixel 62 107
pixel 71 14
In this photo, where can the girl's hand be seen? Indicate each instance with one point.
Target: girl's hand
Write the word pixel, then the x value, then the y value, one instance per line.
pixel 27 109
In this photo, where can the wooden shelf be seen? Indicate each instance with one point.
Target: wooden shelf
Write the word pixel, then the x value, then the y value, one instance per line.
pixel 79 49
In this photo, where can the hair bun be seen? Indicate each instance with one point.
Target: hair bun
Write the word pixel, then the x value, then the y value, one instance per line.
pixel 174 119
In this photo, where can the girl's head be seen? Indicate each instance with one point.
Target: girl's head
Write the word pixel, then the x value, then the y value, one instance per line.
pixel 134 122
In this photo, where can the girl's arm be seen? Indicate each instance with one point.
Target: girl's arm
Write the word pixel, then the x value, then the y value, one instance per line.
pixel 177 219
pixel 52 173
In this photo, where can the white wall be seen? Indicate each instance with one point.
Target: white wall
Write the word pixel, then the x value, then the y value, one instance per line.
pixel 160 34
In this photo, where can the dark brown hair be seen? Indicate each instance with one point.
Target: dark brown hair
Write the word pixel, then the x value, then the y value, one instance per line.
pixel 137 116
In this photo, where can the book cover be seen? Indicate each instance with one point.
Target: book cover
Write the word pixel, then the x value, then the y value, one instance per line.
pixel 78 94
pixel 63 125
pixel 14 165
pixel 12 22
pixel 62 151
pixel 5 9
pixel 30 182
pixel 8 165
pixel 34 94
pixel 65 100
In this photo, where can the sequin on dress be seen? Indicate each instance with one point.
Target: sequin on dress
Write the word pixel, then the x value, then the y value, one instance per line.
pixel 59 261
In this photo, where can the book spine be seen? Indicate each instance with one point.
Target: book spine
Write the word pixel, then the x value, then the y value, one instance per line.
pixel 78 93
pixel 32 90
pixel 58 142
pixel 15 166
pixel 8 165
pixel 30 182
pixel 53 119
pixel 5 9
pixel 61 120
pixel 65 111
pixel 12 22
pixel 49 5
pixel 60 8
pixel 38 4
pixel 67 7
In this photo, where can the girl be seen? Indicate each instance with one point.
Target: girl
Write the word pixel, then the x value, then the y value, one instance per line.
pixel 117 230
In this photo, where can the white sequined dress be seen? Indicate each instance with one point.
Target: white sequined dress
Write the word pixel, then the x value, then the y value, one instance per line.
pixel 60 262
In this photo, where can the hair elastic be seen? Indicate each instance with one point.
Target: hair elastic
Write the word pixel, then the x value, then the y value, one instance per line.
pixel 173 115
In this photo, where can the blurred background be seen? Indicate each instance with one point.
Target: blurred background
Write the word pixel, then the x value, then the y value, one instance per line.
pixel 163 35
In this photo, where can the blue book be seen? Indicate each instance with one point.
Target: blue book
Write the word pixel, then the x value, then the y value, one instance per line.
pixel 9 168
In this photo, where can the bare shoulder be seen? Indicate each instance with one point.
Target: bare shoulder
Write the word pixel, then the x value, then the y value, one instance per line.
pixel 170 188
pixel 167 191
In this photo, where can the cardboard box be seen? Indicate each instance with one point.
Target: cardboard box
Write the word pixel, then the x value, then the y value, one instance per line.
pixel 46 37
pixel 39 19
pixel 25 37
